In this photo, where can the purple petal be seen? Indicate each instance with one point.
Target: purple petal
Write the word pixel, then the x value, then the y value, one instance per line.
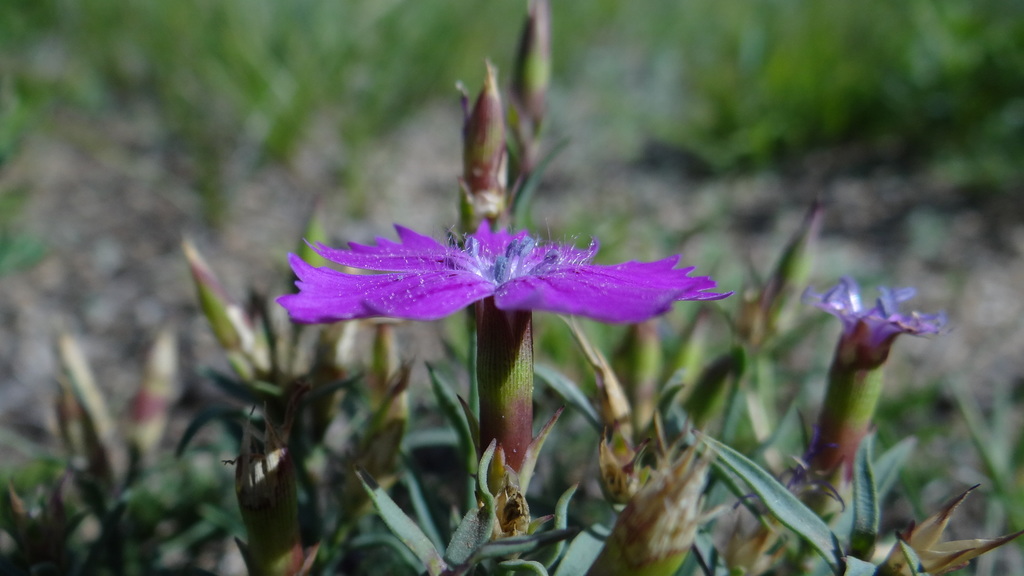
pixel 415 252
pixel 629 292
pixel 328 295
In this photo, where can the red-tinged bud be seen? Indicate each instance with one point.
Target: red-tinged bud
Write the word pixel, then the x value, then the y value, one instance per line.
pixel 484 158
pixel 655 531
pixel 232 327
pixel 530 79
pixel 265 485
pixel 151 405
pixel 937 557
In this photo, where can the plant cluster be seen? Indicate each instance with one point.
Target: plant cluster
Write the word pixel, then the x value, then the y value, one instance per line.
pixel 673 462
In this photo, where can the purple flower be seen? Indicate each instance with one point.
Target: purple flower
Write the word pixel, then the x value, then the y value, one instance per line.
pixel 426 280
pixel 883 320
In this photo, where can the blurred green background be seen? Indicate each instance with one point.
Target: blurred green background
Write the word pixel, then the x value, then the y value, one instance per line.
pixel 739 84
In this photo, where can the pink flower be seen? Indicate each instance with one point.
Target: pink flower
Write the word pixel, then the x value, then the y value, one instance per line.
pixel 427 280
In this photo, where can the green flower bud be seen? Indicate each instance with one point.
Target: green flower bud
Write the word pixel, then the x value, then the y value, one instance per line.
pixel 266 490
pixel 530 79
pixel 484 156
pixel 653 534
pixel 937 557
pixel 82 416
pixel 231 326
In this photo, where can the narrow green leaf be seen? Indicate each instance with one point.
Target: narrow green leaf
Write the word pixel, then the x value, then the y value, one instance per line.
pixel 478 524
pixel 228 415
pixel 704 555
pixel 570 393
pixel 450 406
pixel 913 562
pixel 402 526
pixel 887 467
pixel 520 544
pixel 533 452
pixel 550 555
pixel 858 567
pixel 520 566
pixel 582 551
pixel 383 540
pixel 319 393
pixel 782 504
pixel 425 519
pixel 229 385
pixel 865 502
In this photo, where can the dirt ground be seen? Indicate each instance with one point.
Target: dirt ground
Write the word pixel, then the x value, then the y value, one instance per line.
pixel 112 199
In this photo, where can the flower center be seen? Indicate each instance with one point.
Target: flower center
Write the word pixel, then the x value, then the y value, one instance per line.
pixel 519 259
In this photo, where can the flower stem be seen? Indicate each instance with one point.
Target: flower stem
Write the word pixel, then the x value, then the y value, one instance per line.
pixel 845 417
pixel 504 368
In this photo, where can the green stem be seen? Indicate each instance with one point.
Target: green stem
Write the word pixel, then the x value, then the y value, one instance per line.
pixel 845 418
pixel 505 378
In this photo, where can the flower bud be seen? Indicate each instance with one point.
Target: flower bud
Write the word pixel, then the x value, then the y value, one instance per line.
pixel 384 361
pixel 231 325
pixel 936 557
pixel 707 399
pixel 334 355
pixel 151 405
pixel 654 532
pixel 266 490
pixel 484 158
pixel 530 78
pixel 855 377
pixel 612 403
pixel 621 474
